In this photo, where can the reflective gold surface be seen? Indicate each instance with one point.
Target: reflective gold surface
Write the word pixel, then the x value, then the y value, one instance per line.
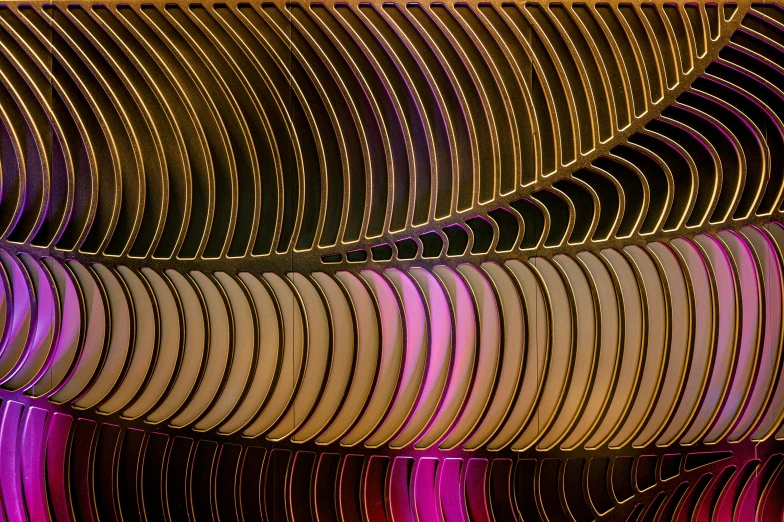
pixel 391 261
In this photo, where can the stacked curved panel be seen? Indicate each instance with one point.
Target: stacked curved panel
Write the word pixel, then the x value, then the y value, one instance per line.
pixel 387 261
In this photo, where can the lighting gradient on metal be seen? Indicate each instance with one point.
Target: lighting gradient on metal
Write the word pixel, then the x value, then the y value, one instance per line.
pixel 392 262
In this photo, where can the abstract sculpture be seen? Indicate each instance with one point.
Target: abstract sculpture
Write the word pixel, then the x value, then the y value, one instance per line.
pixel 387 261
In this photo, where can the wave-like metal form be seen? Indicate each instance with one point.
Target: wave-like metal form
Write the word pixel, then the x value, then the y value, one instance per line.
pixel 385 261
pixel 56 467
pixel 184 131
pixel 663 344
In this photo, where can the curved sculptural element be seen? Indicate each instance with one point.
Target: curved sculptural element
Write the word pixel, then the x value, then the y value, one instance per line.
pixel 389 261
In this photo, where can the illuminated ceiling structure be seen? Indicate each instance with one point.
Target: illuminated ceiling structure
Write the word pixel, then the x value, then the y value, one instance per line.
pixel 391 262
